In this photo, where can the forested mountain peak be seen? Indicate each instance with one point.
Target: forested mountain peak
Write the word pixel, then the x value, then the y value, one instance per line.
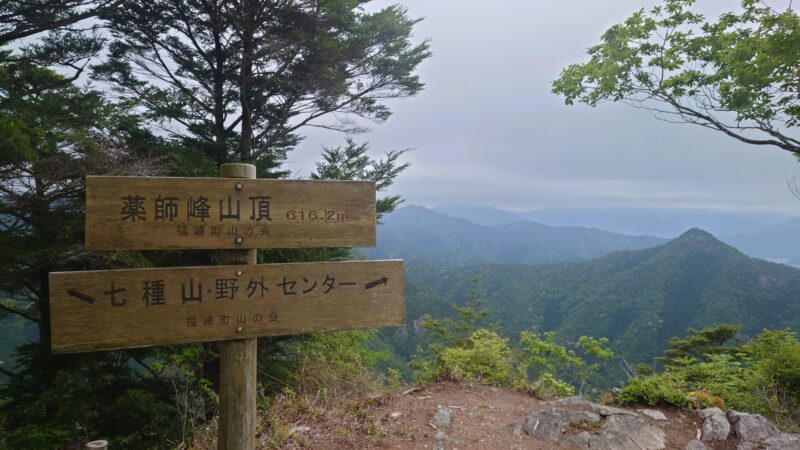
pixel 697 240
pixel 636 298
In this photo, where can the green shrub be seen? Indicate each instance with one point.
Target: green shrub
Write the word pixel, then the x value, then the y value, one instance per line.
pixel 325 366
pixel 711 368
pixel 547 387
pixel 547 361
pixel 485 359
pixel 660 389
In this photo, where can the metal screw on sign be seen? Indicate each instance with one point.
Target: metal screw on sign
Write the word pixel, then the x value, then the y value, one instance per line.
pixel 238 186
pixel 238 240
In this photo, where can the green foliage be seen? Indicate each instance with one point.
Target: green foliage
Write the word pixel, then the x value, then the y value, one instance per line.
pixel 664 388
pixel 548 387
pixel 637 299
pixel 459 349
pixel 760 376
pixel 485 359
pixel 353 163
pixel 212 74
pixel 457 332
pixel 548 361
pixel 774 376
pixel 736 75
pixel 699 345
pixel 84 398
pixel 327 366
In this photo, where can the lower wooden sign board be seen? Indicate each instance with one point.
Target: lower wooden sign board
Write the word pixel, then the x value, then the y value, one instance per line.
pixel 114 309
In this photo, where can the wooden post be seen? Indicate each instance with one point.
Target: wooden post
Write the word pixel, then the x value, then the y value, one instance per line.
pixel 97 445
pixel 237 358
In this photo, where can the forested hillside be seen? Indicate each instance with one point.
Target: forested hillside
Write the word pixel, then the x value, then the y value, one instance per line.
pixel 637 299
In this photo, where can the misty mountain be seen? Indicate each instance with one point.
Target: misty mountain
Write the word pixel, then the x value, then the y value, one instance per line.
pixel 415 233
pixel 481 215
pixel 779 244
pixel 660 222
pixel 638 299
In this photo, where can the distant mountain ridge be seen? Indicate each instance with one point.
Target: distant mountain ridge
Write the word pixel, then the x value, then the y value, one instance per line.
pixel 660 222
pixel 638 299
pixel 418 234
pixel 780 243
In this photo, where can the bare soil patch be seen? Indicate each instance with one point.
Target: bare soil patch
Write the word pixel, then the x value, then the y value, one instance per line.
pixel 483 418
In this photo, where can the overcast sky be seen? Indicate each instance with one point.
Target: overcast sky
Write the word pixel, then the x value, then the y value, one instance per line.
pixel 487 130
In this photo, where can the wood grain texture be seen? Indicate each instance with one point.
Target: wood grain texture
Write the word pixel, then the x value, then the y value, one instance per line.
pixel 238 360
pixel 140 213
pixel 109 309
pixel 237 394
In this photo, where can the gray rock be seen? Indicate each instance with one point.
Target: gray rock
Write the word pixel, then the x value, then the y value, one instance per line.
pixel 440 436
pixel 516 430
pixel 300 429
pixel 580 440
pixel 443 417
pixel 751 427
pixel 603 410
pixel 716 428
pixel 622 429
pixel 694 445
pixel 549 423
pixel 783 441
pixel 708 412
pixel 623 432
pixel 653 414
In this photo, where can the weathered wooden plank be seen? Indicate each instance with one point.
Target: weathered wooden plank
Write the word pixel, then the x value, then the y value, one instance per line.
pixel 237 394
pixel 138 213
pixel 238 360
pixel 109 309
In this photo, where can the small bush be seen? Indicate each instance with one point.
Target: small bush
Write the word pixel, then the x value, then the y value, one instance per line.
pixel 486 359
pixel 547 387
pixel 661 389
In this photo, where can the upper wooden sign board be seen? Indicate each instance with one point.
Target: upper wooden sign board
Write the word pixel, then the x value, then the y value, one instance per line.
pixel 141 213
pixel 111 309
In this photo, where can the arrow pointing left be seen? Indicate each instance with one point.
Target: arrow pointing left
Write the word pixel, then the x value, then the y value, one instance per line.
pixel 80 295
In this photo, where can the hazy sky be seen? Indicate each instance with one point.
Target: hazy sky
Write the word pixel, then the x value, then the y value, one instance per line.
pixel 487 130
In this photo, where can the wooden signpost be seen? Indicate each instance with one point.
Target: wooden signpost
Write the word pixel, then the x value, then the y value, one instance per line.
pixel 237 301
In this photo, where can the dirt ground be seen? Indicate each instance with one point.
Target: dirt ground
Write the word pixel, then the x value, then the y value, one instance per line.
pixel 483 418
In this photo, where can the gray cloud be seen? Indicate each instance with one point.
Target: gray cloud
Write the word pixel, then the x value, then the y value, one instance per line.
pixel 487 129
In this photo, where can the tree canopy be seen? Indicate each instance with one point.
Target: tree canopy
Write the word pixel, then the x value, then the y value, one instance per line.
pixel 737 75
pixel 241 77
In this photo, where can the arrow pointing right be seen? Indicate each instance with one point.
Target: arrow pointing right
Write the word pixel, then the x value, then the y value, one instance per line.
pixel 80 296
pixel 378 282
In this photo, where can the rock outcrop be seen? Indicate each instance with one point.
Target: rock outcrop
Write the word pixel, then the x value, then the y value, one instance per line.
pixel 613 428
pixel 579 424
